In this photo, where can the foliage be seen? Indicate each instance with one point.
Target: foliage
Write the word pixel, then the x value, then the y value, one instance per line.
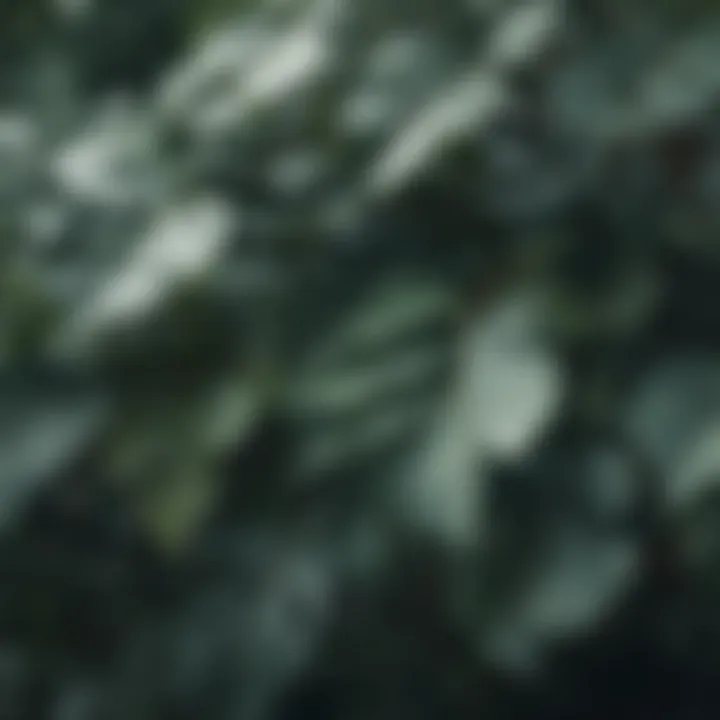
pixel 359 359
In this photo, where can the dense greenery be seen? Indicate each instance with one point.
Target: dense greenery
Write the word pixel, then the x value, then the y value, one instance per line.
pixel 359 359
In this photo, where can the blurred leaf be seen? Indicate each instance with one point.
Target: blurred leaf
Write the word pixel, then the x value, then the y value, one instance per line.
pixel 41 431
pixel 507 388
pixel 525 32
pixel 576 585
pixel 177 254
pixel 470 104
pixel 674 405
pixel 175 507
pixel 513 383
